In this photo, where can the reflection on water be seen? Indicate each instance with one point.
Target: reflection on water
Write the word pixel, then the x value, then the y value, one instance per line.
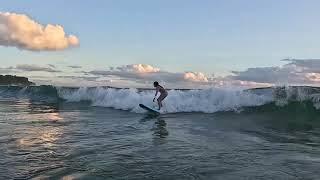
pixel 45 137
pixel 159 129
pixel 36 111
pixel 49 111
pixel 32 136
pixel 36 133
pixel 53 116
pixel 149 117
pixel 63 141
pixel 45 134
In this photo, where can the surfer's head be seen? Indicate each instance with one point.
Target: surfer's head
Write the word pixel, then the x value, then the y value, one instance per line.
pixel 155 84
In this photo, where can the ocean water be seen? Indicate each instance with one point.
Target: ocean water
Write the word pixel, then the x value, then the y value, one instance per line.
pixel 101 133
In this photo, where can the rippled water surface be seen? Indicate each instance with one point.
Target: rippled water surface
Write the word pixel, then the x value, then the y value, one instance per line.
pixel 78 141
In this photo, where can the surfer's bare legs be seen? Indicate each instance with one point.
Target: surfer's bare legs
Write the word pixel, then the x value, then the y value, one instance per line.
pixel 161 98
pixel 159 104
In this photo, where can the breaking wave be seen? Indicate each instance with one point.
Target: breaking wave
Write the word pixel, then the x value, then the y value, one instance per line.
pixel 206 100
pixel 209 100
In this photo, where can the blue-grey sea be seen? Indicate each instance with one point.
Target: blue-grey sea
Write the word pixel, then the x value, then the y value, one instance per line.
pixel 101 133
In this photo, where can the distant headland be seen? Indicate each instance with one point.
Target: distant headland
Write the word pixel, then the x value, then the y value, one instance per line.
pixel 15 80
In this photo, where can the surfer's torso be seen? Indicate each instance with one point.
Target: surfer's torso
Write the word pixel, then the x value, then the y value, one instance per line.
pixel 161 90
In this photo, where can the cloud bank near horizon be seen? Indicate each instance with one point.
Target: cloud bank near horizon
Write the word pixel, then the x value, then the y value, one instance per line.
pixel 294 72
pixel 22 32
pixel 33 68
pixel 146 74
pixel 23 68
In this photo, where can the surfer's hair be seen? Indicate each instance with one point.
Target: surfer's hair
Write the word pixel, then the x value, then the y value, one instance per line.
pixel 155 84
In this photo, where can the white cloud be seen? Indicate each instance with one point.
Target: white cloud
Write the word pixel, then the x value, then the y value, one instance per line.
pixel 264 74
pixel 195 77
pixel 296 72
pixel 7 70
pixel 75 67
pixel 138 68
pixel 128 74
pixel 33 68
pixel 304 65
pixel 52 65
pixel 143 73
pixel 315 77
pixel 19 30
pixel 67 81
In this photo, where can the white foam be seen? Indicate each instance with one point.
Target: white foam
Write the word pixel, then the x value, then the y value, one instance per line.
pixel 208 100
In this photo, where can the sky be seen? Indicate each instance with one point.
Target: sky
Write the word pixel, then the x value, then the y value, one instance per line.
pixel 117 42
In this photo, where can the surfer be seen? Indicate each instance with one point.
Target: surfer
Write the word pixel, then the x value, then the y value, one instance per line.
pixel 162 91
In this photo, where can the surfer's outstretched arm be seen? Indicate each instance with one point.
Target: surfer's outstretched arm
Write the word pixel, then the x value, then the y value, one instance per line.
pixel 157 90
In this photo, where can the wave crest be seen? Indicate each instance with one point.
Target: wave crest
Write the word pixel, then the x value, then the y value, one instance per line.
pixel 208 100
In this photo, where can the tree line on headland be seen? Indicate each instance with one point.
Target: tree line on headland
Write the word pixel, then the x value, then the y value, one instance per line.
pixel 14 80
